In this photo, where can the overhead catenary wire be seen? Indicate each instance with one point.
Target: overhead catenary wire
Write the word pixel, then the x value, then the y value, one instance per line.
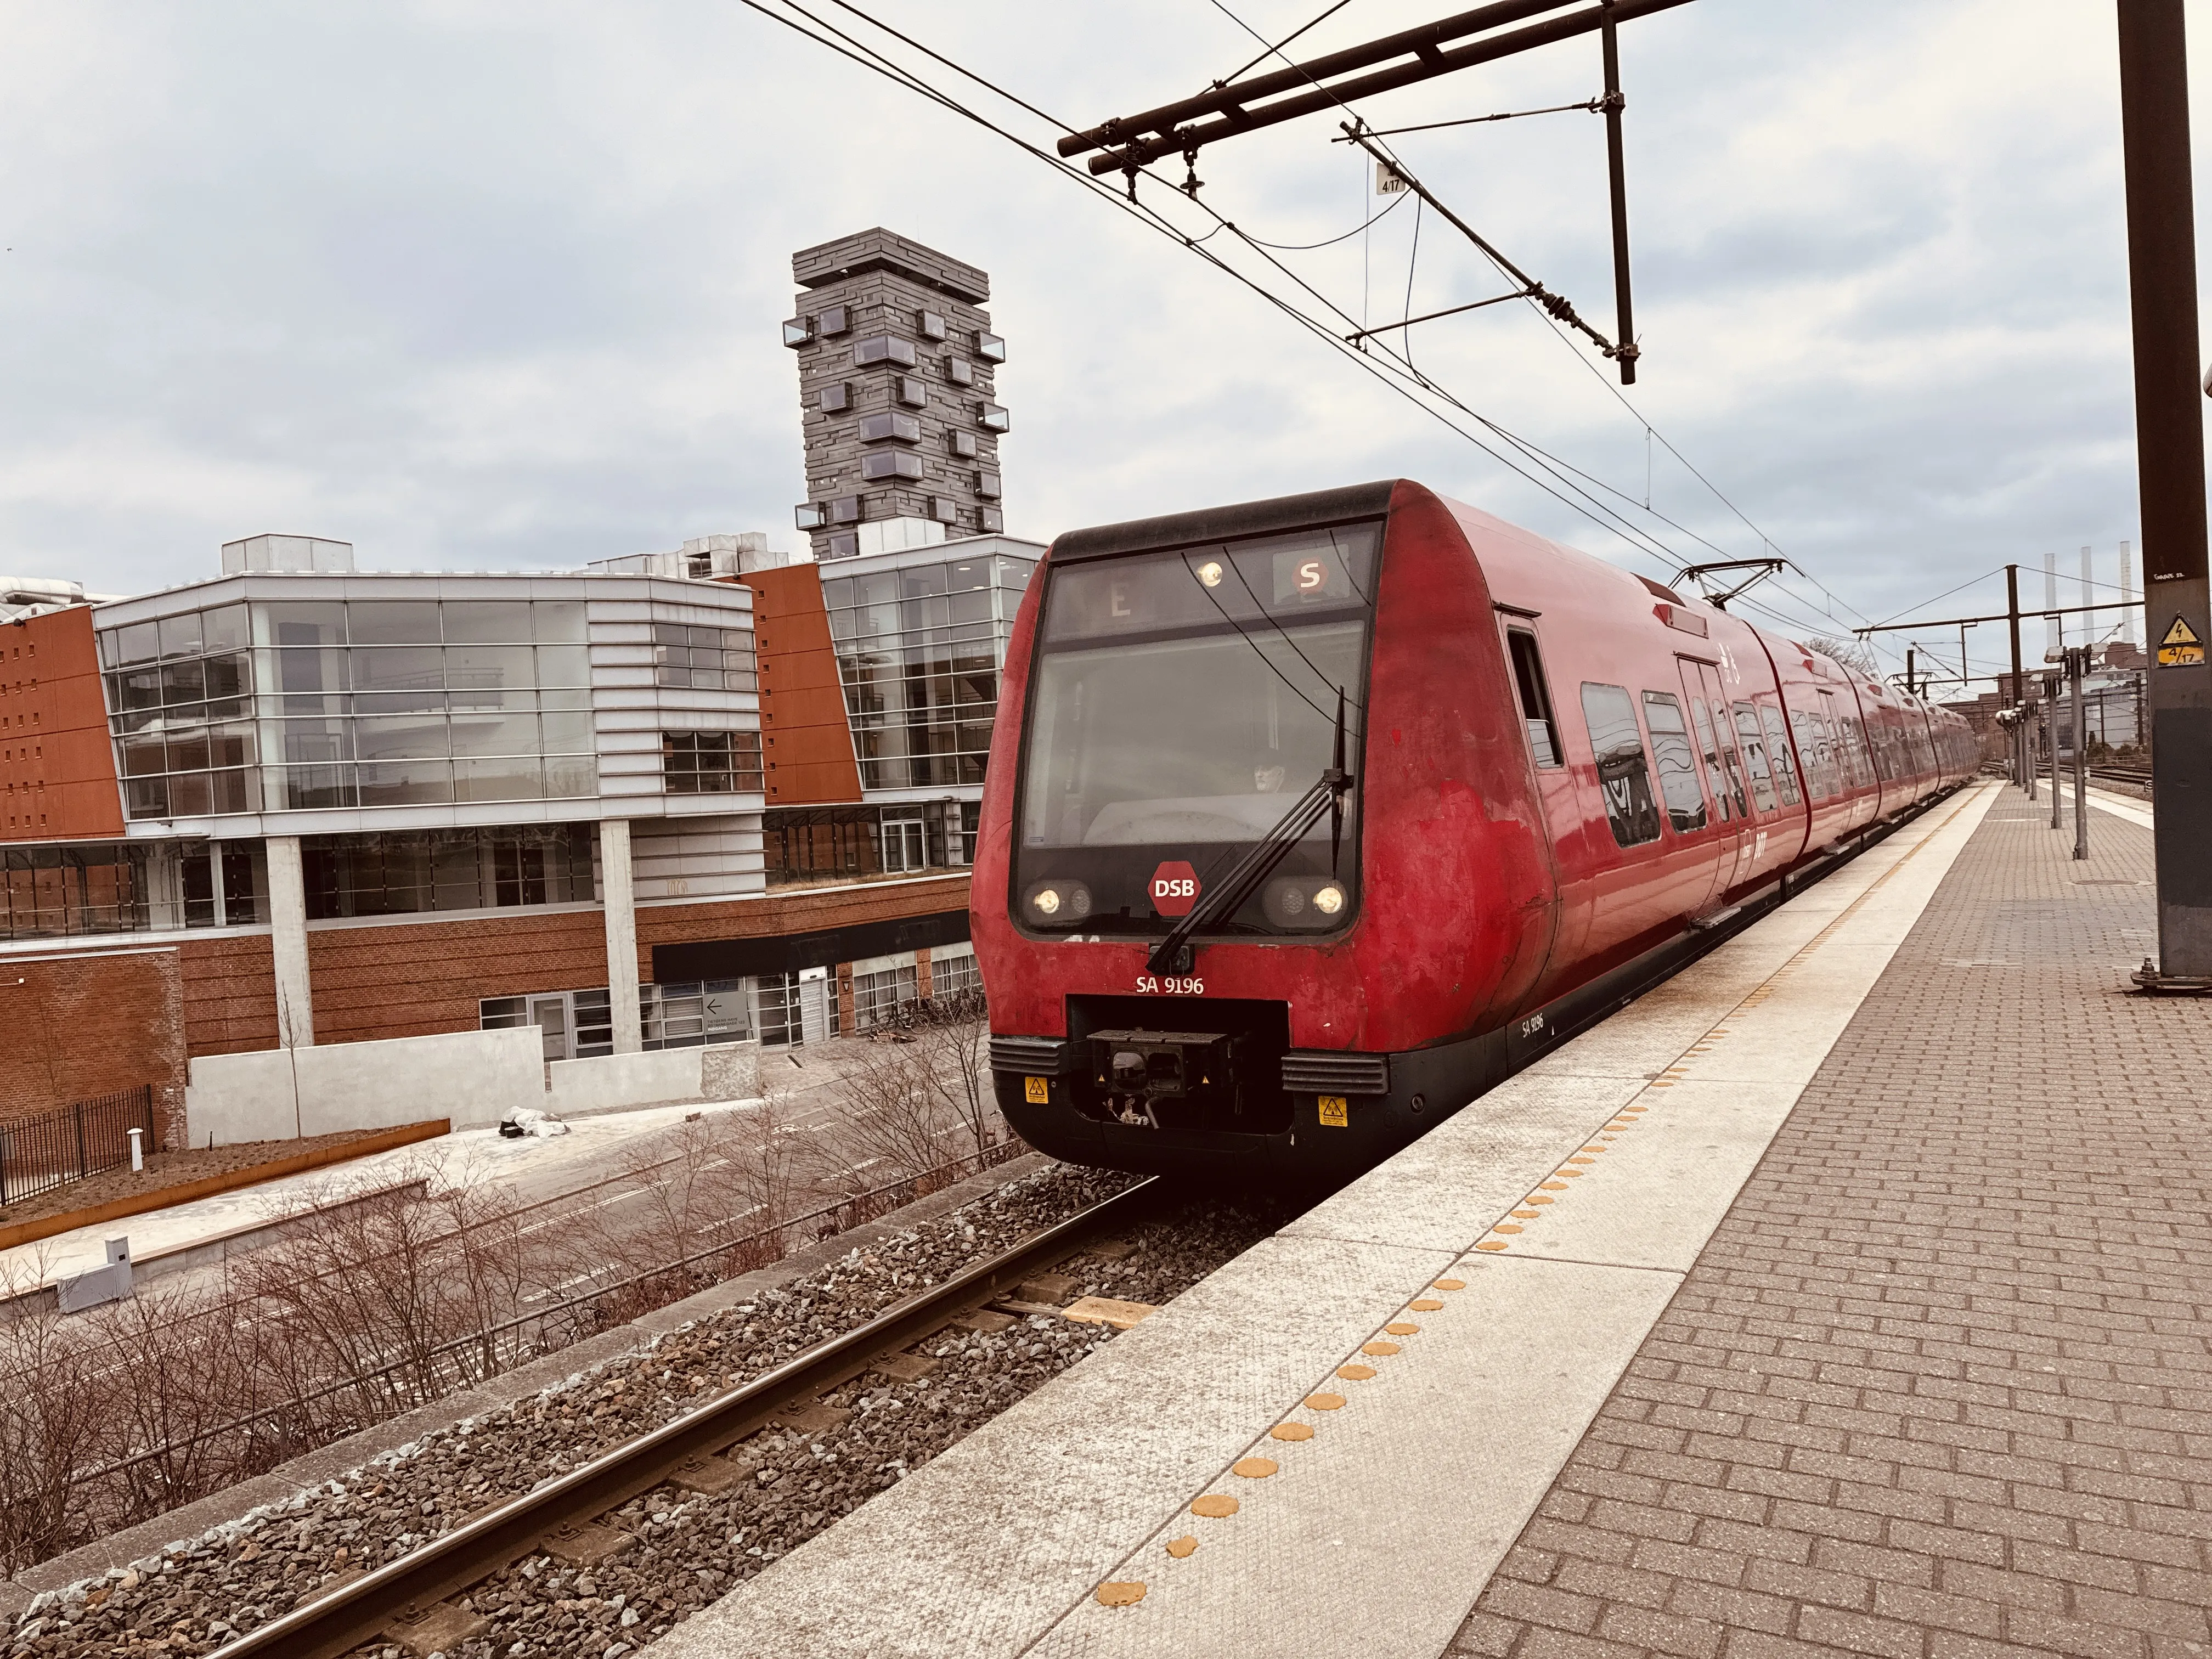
pixel 1386 366
pixel 1368 361
pixel 1272 50
pixel 1595 106
pixel 1396 203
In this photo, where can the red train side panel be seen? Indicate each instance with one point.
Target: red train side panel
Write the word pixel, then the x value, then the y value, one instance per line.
pixel 1560 769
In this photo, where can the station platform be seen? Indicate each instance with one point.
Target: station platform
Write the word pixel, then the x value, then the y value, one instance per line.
pixel 1847 1293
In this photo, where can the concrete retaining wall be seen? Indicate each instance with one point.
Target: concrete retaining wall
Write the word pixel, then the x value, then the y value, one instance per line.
pixel 607 1083
pixel 470 1077
pixel 473 1077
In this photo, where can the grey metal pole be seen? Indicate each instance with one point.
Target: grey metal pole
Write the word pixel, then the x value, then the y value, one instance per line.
pixel 2019 769
pixel 2030 742
pixel 2170 474
pixel 2051 685
pixel 2077 660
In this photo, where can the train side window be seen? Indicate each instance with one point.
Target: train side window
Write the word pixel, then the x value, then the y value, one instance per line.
pixel 1753 747
pixel 1855 749
pixel 1840 775
pixel 1677 761
pixel 1777 739
pixel 1624 774
pixel 1713 775
pixel 1536 718
pixel 1813 747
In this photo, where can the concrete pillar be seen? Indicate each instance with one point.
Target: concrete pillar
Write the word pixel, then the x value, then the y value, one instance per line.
pixel 618 890
pixel 287 918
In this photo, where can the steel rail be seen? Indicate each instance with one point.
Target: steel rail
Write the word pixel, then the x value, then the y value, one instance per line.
pixel 336 1623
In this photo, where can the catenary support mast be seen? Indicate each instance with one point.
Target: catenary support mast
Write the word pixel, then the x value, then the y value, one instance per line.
pixel 2170 470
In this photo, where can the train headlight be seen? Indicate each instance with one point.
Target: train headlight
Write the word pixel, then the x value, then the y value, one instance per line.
pixel 1211 573
pixel 1306 903
pixel 1055 903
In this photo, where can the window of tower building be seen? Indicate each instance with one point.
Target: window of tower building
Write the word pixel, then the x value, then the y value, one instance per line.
pixel 918 652
pixel 711 762
pixel 410 873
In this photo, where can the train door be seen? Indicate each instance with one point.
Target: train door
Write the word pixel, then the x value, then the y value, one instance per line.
pixel 1701 686
pixel 1684 768
pixel 1555 790
pixel 1781 755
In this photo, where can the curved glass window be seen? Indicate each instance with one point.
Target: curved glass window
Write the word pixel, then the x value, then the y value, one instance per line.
pixel 1182 703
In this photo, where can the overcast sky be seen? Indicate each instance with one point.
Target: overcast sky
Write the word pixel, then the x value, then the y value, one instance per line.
pixel 493 285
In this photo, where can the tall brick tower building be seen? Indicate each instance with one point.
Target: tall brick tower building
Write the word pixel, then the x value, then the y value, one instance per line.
pixel 896 365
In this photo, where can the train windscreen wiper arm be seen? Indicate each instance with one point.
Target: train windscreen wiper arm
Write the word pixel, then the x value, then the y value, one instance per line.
pixel 1227 897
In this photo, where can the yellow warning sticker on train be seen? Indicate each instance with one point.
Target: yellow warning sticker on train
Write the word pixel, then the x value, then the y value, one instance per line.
pixel 1333 1114
pixel 2181 648
pixel 1036 1092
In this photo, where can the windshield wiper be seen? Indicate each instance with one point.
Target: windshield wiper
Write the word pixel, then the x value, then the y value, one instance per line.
pixel 1220 902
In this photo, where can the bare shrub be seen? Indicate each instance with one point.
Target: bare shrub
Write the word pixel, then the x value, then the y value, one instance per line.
pixel 898 1124
pixel 922 1094
pixel 953 1036
pixel 185 1359
pixel 377 1292
pixel 53 1425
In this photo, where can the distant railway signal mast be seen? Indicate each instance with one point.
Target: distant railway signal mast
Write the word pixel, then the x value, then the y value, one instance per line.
pixel 1227 109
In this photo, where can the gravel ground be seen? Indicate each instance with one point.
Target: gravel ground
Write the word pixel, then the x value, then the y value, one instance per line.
pixel 689 1548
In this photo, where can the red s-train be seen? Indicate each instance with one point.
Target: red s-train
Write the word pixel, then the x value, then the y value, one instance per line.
pixel 1309 820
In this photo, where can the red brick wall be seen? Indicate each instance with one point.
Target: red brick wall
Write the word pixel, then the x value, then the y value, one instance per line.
pixel 230 994
pixel 90 1024
pixel 57 768
pixel 415 978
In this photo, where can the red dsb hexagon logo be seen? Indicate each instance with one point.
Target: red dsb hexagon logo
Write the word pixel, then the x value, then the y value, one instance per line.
pixel 1174 889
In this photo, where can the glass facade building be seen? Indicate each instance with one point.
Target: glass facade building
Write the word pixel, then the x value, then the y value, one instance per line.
pixel 270 706
pixel 918 652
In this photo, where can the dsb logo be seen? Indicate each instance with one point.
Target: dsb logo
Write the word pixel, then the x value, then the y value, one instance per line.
pixel 1174 888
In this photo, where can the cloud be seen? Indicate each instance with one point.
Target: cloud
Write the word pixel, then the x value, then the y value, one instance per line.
pixel 478 285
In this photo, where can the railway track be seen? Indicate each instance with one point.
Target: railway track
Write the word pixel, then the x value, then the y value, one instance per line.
pixel 2139 776
pixel 402 1600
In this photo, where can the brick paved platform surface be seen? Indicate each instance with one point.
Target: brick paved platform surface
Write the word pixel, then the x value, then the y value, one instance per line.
pixel 1941 1385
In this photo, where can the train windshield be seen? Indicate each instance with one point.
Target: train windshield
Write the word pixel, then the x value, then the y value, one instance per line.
pixel 1182 703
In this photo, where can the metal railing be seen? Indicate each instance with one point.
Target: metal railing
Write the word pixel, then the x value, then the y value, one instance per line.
pixel 38 1154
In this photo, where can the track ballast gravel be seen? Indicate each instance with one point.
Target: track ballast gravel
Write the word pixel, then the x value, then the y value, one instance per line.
pixel 689 1548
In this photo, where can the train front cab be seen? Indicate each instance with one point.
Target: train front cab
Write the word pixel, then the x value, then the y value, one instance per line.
pixel 1178 693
